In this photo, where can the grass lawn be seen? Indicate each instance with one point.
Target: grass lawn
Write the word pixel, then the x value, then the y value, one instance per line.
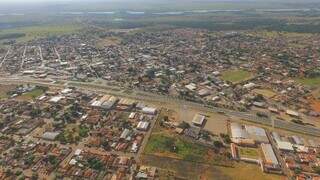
pixel 166 145
pixel 236 76
pixel 265 92
pixel 312 82
pixel 249 152
pixel 32 94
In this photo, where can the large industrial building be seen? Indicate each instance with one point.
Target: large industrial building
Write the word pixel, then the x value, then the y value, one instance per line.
pixel 270 160
pixel 247 135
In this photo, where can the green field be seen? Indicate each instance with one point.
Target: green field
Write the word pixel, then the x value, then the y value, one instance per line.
pixel 32 32
pixel 236 76
pixel 175 147
pixel 32 94
pixel 312 82
pixel 249 152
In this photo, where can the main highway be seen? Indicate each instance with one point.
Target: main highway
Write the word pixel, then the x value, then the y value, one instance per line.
pixel 156 98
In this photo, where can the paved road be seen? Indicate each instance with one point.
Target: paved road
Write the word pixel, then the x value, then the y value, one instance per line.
pixel 150 97
pixel 4 58
pixel 41 56
pixel 23 57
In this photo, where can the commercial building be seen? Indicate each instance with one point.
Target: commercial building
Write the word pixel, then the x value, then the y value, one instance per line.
pixel 248 135
pixel 198 120
pixel 50 135
pixel 143 126
pixel 269 158
pixel 258 134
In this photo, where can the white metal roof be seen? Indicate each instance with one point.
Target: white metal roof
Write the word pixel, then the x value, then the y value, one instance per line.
pixel 198 119
pixel 268 153
pixel 238 132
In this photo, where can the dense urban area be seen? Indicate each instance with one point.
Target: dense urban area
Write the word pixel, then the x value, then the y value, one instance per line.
pixel 146 94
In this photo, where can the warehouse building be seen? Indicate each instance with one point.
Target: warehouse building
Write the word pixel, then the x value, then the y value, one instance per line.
pixel 281 144
pixel 269 158
pixel 248 135
pixel 240 136
pixel 258 134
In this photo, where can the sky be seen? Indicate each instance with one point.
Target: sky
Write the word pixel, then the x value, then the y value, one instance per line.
pixel 10 6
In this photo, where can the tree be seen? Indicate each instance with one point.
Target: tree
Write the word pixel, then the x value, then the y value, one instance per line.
pixel 226 138
pixel 34 176
pixel 217 144
pixel 35 112
pixel 150 73
pixel 184 125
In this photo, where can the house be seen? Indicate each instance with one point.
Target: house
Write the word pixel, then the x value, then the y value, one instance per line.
pixel 149 110
pixel 292 113
pixel 143 126
pixel 56 99
pixel 273 110
pixel 191 86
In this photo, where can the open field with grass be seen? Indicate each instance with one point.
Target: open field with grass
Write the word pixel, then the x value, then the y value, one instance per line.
pixel 32 32
pixel 165 145
pixel 109 41
pixel 32 94
pixel 268 93
pixel 236 76
pixel 191 170
pixel 245 171
pixel 247 152
pixel 311 82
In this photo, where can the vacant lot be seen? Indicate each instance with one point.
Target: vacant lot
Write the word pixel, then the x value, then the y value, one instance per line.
pixel 109 41
pixel 191 170
pixel 165 145
pixel 315 105
pixel 236 76
pixel 268 93
pixel 4 89
pixel 245 171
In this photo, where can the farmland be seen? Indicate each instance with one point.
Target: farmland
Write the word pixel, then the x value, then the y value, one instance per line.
pixel 31 32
